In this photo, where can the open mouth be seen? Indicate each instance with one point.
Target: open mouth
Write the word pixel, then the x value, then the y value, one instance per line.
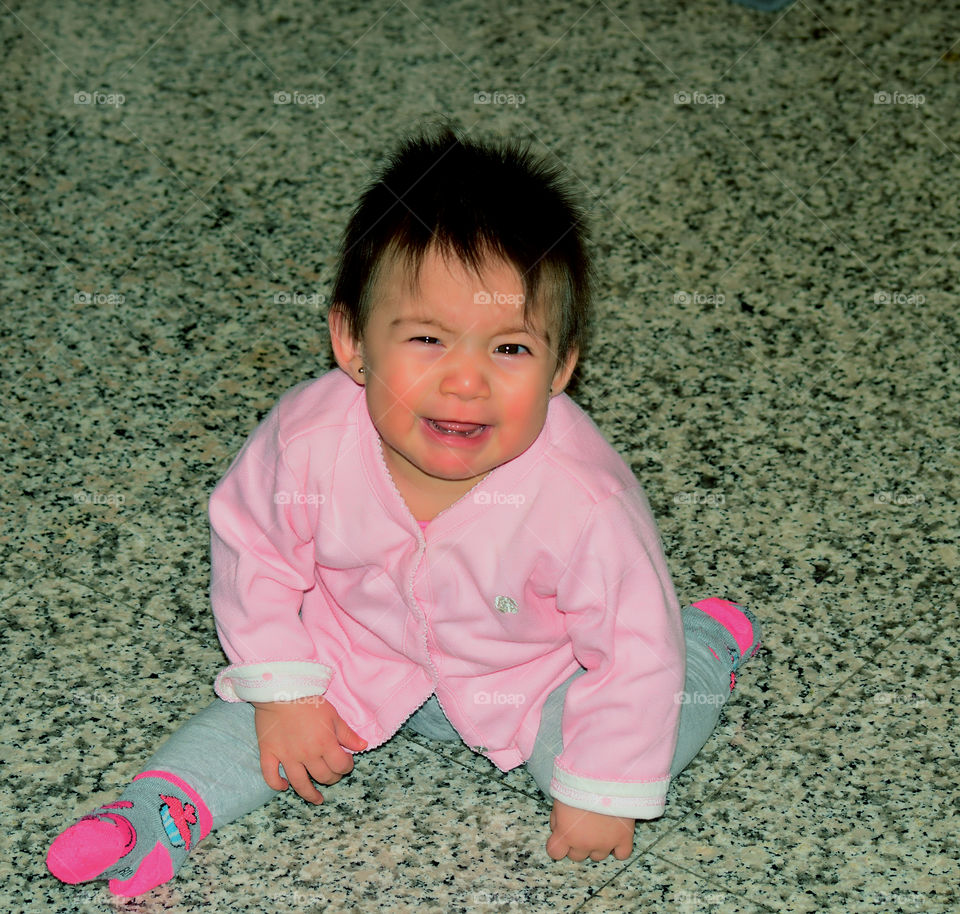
pixel 456 429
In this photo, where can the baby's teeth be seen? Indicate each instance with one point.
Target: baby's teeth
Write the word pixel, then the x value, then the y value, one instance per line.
pixel 451 428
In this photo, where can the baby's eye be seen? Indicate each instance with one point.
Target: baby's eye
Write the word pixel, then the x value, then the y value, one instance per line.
pixel 424 339
pixel 512 348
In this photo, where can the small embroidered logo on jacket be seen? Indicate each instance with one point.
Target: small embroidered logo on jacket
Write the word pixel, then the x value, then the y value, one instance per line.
pixel 505 604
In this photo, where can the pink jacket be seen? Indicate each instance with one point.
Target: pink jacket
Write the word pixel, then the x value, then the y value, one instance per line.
pixel 324 583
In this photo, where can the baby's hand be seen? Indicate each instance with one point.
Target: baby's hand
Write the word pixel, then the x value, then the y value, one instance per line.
pixel 578 834
pixel 305 736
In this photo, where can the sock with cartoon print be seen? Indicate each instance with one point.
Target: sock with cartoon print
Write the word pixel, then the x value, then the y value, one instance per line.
pixel 721 636
pixel 137 842
pixel 724 626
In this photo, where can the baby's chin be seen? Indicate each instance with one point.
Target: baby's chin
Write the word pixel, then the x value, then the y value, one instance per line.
pixel 466 476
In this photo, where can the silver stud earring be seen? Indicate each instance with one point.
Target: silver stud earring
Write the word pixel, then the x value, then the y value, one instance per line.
pixel 360 370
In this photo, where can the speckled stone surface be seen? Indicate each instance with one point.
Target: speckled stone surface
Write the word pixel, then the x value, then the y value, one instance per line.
pixel 774 200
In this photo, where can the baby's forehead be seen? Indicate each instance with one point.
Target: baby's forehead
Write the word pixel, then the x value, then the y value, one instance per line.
pixel 496 287
pixel 413 281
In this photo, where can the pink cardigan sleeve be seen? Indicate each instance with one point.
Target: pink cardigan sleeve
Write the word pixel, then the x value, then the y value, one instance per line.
pixel 262 563
pixel 620 717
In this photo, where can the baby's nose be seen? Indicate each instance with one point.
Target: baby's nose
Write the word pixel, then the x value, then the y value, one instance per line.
pixel 464 376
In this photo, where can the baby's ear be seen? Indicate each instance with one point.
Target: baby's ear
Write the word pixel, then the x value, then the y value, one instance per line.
pixel 346 349
pixel 564 372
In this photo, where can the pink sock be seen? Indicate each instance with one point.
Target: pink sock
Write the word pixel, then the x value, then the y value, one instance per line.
pixel 731 617
pixel 93 844
pixel 156 821
pixel 156 869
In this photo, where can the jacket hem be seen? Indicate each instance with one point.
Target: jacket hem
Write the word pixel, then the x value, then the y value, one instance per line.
pixel 635 800
pixel 278 680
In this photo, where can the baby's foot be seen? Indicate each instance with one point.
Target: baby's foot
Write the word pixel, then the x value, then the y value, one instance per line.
pixel 138 842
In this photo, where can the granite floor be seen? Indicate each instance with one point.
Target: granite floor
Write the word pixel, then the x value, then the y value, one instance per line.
pixel 774 199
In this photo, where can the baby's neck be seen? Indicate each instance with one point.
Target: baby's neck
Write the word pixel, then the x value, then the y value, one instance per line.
pixel 425 506
pixel 426 496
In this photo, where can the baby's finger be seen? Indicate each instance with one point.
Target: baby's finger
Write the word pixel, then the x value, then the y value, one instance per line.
pixel 270 769
pixel 301 783
pixel 347 737
pixel 339 763
pixel 557 848
pixel 320 771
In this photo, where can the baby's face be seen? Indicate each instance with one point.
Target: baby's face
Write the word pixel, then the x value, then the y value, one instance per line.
pixel 455 384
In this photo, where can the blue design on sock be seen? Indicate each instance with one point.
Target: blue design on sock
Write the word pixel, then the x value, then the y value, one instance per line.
pixel 170 827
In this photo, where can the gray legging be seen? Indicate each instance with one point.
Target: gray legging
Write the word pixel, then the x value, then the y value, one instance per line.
pixel 216 752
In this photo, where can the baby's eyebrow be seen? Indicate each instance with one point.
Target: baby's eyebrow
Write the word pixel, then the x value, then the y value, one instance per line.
pixel 419 321
pixel 432 322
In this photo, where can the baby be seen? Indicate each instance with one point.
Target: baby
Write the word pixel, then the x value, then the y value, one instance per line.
pixel 433 535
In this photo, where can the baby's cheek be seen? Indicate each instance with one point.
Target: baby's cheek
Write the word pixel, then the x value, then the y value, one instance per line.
pixel 525 414
pixel 395 395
